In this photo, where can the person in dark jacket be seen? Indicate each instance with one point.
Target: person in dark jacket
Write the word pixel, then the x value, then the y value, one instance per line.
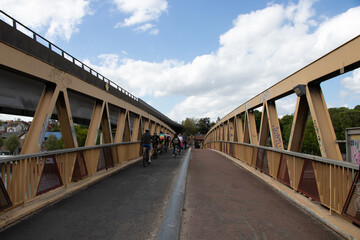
pixel 176 143
pixel 146 142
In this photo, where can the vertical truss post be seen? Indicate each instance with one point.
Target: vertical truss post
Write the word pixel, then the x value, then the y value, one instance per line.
pixel 322 122
pixel 95 123
pixel 299 124
pixel 252 128
pixel 40 122
pixel 275 132
pixel 66 121
pixel 120 127
pixel 105 125
pixel 239 129
pixel 264 126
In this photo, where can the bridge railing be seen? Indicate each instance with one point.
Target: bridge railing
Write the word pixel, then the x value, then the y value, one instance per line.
pixel 324 180
pixel 327 179
pixel 30 33
pixel 25 177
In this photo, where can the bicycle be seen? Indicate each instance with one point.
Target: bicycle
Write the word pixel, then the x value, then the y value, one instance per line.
pixel 176 151
pixel 155 153
pixel 146 157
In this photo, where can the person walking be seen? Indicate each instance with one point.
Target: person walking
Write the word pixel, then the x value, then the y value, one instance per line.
pixel 176 144
pixel 184 141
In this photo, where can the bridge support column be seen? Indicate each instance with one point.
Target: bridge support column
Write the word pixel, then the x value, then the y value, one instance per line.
pixel 239 137
pixel 250 128
pixel 38 127
pixel 322 122
pixel 299 123
pixel 274 124
pixel 91 158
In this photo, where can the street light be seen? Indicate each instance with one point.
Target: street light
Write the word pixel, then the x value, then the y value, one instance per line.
pixel 300 90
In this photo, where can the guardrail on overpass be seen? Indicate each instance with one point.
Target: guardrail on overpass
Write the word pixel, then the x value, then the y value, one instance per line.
pixel 327 179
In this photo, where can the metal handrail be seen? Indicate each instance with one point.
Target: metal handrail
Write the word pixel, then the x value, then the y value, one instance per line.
pixel 66 55
pixel 62 151
pixel 297 154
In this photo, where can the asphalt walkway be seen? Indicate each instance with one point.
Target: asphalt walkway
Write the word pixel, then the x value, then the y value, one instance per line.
pixel 224 201
pixel 126 205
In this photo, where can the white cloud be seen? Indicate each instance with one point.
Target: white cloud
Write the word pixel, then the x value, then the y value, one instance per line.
pixel 57 18
pixel 261 48
pixel 352 85
pixel 147 27
pixel 142 13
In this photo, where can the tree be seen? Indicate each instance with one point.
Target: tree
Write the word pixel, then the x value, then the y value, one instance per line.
pixel 52 143
pixel 285 125
pixel 310 144
pixel 189 125
pixel 12 143
pixel 343 118
pixel 203 125
pixel 81 133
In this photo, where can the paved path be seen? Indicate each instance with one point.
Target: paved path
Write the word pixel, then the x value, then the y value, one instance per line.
pixel 127 205
pixel 224 201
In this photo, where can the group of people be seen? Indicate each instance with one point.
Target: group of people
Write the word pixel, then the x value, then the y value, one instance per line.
pixel 162 142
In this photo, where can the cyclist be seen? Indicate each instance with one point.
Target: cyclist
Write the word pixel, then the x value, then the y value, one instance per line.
pixel 155 141
pixel 162 141
pixel 167 140
pixel 176 142
pixel 146 142
pixel 181 143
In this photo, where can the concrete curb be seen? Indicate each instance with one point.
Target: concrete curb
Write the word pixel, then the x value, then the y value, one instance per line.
pixel 170 225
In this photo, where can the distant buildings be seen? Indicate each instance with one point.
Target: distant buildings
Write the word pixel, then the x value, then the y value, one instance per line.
pixel 18 128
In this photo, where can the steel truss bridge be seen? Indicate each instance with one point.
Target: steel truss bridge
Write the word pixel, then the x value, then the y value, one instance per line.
pixel 40 80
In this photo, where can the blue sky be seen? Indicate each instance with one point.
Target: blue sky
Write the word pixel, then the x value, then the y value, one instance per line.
pixel 199 58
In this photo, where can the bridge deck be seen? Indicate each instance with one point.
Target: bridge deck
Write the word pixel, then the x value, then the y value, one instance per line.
pixel 223 201
pixel 126 205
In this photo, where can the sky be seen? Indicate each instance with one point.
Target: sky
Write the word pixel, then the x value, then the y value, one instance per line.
pixel 199 58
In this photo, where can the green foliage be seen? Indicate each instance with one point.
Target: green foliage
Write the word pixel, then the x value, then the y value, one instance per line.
pixel 55 129
pixel 61 143
pixel 12 143
pixel 341 118
pixel 203 125
pixel 257 115
pixel 310 144
pixel 193 126
pixel 190 126
pixel 81 133
pixel 52 143
pixel 285 125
